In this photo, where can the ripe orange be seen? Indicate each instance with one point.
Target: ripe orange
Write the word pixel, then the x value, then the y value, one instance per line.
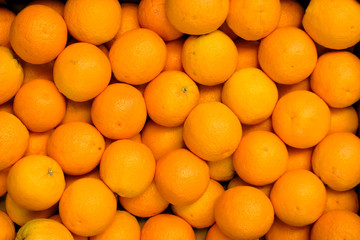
pixel 6 19
pixel 247 53
pixel 214 233
pixel 3 178
pixel 299 158
pixel 58 219
pixel 265 125
pixel 210 93
pixel 280 230
pixel 170 97
pixel 7 107
pixel 56 5
pixel 212 131
pixel 7 227
pixel 93 21
pixel 343 120
pixel 222 170
pixel 181 177
pixel 36 71
pixel 286 88
pixel 70 179
pixel 38 34
pixel 81 71
pixel 345 200
pixel 236 181
pixel 38 143
pixel 77 112
pixel 291 14
pixel 173 55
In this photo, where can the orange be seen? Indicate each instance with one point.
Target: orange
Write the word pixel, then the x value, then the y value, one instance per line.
pixel 137 56
pixel 36 71
pixel 244 213
pixel 44 229
pixel 209 59
pixel 346 200
pixel 82 71
pixel 335 78
pixel 3 177
pixel 286 88
pixel 127 167
pixel 200 214
pixel 222 170
pixel 7 107
pixel 36 182
pixel 11 75
pixel 261 158
pixel 247 53
pixel 6 19
pixel 212 131
pixel 299 158
pixel 196 17
pixel 70 179
pixel 160 139
pixel 38 34
pixel 343 120
pixel 56 5
pixel 337 225
pixel 170 97
pixel 298 197
pixel 58 219
pixel 236 181
pixel 39 105
pixel 77 112
pixel 291 14
pixel 14 139
pixel 181 177
pixel 250 94
pixel 253 20
pixel 335 161
pixel 301 119
pixel 119 111
pixel 288 55
pixel 87 207
pixel 152 15
pixel 163 226
pixel 147 204
pixel 173 56
pixel 93 21
pixel 124 226
pixel 334 24
pixel 7 227
pixel 20 215
pixel 210 93
pixel 77 147
pixel 280 230
pixel 265 125
pixel 38 143
pixel 227 30
pixel 215 233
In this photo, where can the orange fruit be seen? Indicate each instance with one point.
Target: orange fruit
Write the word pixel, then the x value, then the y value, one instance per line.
pixel 36 71
pixel 280 230
pixel 152 15
pixel 11 74
pixel 163 226
pixel 215 233
pixel 265 125
pixel 236 181
pixel 81 72
pixel 14 139
pixel 181 177
pixel 170 97
pixel 299 158
pixel 200 214
pixel 247 53
pixel 253 20
pixel 58 219
pixel 36 182
pixel 147 204
pixel 335 78
pixel 212 131
pixel 6 19
pixel 301 119
pixel 7 227
pixel 3 177
pixel 298 197
pixel 77 147
pixel 291 14
pixel 93 21
pixel 250 94
pixel 173 56
pixel 288 55
pixel 56 5
pixel 39 105
pixel 38 34
pixel 87 207
pixel 20 215
pixel 286 88
pixel 345 200
pixel 77 112
pixel 7 107
pixel 209 59
pixel 127 167
pixel 196 17
pixel 160 139
pixel 38 143
pixel 335 161
pixel 261 158
pixel 137 56
pixel 337 225
pixel 70 179
pixel 210 93
pixel 43 229
pixel 343 120
pixel 124 226
pixel 222 170
pixel 243 213
pixel 119 111
pixel 333 24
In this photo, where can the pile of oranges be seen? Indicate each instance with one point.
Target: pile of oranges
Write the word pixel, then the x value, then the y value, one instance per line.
pixel 179 119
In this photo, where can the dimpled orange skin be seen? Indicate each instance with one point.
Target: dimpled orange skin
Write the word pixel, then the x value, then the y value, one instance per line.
pixel 214 233
pixel 280 230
